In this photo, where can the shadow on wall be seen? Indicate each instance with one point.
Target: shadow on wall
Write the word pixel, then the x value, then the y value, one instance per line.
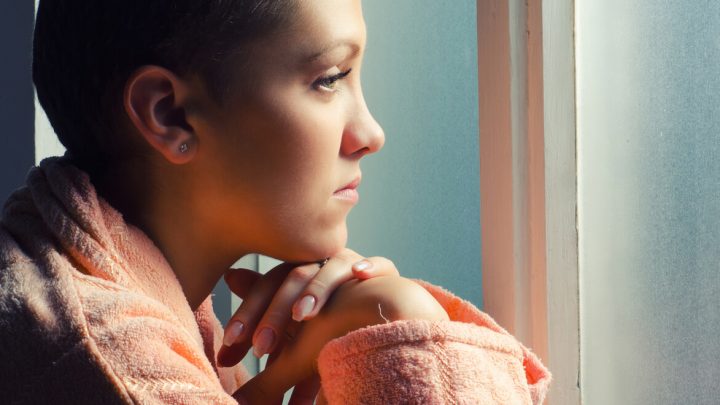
pixel 17 113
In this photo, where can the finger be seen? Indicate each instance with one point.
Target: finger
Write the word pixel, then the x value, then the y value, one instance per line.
pixel 240 399
pixel 375 266
pixel 334 273
pixel 283 340
pixel 240 281
pixel 269 386
pixel 305 392
pixel 242 323
pixel 321 400
pixel 274 355
pixel 277 315
pixel 319 289
pixel 230 356
pixel 342 268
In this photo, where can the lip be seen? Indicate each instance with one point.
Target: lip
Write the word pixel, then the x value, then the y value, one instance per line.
pixel 349 191
pixel 352 185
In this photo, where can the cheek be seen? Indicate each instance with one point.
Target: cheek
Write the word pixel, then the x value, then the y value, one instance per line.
pixel 300 145
pixel 288 154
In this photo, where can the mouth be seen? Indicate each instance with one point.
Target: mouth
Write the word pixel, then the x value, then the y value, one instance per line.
pixel 349 191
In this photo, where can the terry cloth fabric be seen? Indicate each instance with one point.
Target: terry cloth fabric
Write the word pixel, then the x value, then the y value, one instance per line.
pixel 467 360
pixel 91 312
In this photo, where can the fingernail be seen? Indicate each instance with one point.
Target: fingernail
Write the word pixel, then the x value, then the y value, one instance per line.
pixel 303 307
pixel 362 265
pixel 264 341
pixel 233 332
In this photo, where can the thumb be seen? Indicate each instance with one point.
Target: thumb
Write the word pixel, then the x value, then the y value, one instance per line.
pixel 260 390
pixel 306 391
pixel 268 387
pixel 241 281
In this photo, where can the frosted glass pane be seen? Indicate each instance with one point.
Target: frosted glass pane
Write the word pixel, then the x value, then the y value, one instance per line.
pixel 649 200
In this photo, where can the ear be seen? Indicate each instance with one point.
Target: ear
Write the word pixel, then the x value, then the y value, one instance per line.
pixel 153 100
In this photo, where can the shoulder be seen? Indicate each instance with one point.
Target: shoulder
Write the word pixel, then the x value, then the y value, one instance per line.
pixel 43 343
pixel 32 295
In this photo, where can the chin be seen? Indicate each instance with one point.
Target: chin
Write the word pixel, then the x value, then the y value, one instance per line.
pixel 318 249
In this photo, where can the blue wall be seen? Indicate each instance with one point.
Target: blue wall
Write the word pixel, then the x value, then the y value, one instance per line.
pixel 420 197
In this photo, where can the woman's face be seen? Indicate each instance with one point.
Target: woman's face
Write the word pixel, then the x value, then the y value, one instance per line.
pixel 272 158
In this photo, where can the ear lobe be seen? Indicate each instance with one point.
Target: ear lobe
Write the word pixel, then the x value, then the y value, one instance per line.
pixel 151 101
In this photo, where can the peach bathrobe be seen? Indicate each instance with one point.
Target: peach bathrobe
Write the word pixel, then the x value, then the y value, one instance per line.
pixel 91 313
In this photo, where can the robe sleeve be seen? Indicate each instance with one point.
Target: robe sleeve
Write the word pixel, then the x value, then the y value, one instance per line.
pixel 466 360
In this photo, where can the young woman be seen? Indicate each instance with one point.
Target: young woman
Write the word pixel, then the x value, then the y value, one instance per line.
pixel 198 132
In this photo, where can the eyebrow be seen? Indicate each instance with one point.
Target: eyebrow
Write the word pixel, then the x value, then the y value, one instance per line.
pixel 354 47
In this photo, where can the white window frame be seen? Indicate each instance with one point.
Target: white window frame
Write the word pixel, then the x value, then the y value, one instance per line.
pixel 528 172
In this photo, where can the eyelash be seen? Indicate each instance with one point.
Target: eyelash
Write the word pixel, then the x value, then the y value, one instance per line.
pixel 327 83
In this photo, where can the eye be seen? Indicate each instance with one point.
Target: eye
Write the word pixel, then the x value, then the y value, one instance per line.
pixel 329 83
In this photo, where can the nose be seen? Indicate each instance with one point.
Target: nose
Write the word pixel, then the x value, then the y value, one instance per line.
pixel 363 135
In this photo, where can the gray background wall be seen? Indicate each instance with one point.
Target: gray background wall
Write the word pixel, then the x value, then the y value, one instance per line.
pixel 17 152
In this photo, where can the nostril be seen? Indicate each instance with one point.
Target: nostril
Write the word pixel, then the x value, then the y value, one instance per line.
pixel 362 152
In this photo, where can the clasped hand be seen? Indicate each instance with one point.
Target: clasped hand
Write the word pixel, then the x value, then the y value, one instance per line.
pixel 349 293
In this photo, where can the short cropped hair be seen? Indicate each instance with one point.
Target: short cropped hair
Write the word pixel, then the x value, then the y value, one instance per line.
pixel 84 52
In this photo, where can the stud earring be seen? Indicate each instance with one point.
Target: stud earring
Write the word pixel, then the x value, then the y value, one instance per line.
pixel 184 148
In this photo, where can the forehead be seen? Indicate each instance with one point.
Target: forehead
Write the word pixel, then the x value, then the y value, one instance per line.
pixel 319 29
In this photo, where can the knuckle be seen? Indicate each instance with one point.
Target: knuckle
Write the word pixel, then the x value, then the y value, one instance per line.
pixel 303 273
pixel 349 252
pixel 256 391
pixel 383 262
pixel 278 273
pixel 317 286
pixel 246 314
pixel 274 319
pixel 239 316
pixel 348 256
pixel 283 268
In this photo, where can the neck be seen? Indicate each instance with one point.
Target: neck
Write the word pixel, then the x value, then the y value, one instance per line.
pixel 166 212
